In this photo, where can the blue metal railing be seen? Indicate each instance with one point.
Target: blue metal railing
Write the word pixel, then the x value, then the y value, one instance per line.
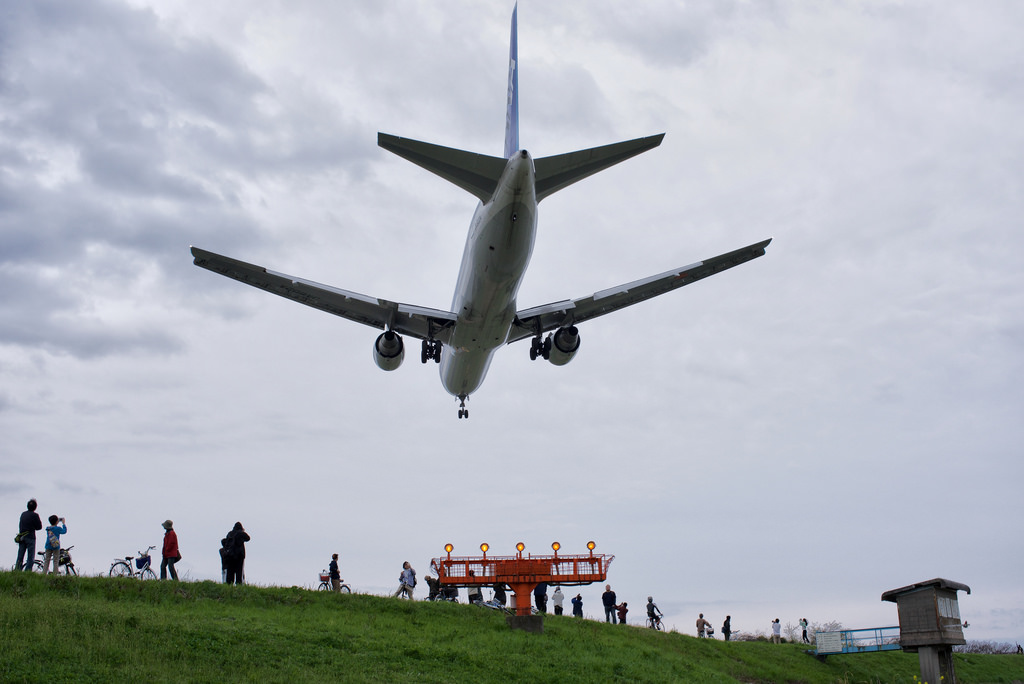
pixel 857 641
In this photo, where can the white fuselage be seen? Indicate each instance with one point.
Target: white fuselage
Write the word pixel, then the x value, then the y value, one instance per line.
pixel 498 250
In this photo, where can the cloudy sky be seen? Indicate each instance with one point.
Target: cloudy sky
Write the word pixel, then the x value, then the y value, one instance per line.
pixel 788 439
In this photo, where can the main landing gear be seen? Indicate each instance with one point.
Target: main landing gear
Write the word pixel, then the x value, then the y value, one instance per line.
pixel 463 411
pixel 541 348
pixel 431 350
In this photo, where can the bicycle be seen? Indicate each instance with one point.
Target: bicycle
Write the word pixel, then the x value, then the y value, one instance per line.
pixel 325 583
pixel 64 562
pixel 654 622
pixel 124 567
pixel 36 565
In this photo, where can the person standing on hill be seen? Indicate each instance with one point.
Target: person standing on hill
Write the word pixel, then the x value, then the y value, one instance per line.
pixel 234 554
pixel 803 627
pixel 622 612
pixel 332 567
pixel 224 559
pixel 608 599
pixel 406 581
pixel 27 526
pixel 727 627
pixel 540 596
pixel 170 552
pixel 557 599
pixel 702 626
pixel 577 606
pixel 52 546
pixel 777 631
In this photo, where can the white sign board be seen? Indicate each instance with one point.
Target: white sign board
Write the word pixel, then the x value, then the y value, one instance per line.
pixel 829 642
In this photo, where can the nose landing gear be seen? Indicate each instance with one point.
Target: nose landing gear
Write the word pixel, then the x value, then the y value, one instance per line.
pixel 463 411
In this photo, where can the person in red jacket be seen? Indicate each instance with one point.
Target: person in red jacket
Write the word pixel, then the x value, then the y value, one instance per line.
pixel 170 553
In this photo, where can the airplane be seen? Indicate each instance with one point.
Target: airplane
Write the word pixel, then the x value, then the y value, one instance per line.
pixel 484 314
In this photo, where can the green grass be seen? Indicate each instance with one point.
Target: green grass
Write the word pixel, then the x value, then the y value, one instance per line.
pixel 56 629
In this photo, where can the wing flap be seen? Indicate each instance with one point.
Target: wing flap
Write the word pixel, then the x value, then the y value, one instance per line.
pixel 541 319
pixel 406 319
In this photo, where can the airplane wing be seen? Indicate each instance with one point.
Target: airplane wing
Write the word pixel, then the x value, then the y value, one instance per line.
pixel 405 319
pixel 541 319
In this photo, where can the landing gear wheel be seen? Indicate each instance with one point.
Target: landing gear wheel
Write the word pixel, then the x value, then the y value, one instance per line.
pixel 536 348
pixel 431 350
pixel 546 350
pixel 463 411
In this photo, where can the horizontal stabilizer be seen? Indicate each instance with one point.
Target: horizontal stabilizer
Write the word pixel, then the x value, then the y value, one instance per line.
pixel 475 173
pixel 562 170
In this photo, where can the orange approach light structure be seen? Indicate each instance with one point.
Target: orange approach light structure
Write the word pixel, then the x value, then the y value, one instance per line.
pixel 521 573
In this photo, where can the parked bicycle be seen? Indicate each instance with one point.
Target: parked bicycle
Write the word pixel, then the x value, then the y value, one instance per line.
pixel 37 565
pixel 131 566
pixel 64 562
pixel 325 583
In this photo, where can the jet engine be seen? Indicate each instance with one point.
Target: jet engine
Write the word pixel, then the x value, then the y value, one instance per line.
pixel 565 344
pixel 388 350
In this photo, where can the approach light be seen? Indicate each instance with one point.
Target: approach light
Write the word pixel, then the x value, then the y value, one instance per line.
pixel 591 545
pixel 520 546
pixel 448 549
pixel 484 547
pixel 555 546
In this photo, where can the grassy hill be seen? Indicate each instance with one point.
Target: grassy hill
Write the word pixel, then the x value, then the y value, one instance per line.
pixel 99 629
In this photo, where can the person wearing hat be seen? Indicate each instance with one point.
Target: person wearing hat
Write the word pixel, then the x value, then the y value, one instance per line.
pixel 170 552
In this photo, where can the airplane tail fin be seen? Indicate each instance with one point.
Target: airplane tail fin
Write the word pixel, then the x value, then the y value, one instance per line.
pixel 512 110
pixel 562 170
pixel 479 174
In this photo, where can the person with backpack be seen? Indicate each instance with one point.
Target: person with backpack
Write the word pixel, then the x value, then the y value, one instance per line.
pixel 27 526
pixel 406 581
pixel 52 546
pixel 234 554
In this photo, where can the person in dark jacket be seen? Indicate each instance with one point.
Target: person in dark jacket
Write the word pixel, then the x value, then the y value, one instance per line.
pixel 727 627
pixel 234 554
pixel 577 606
pixel 608 598
pixel 170 551
pixel 27 525
pixel 540 596
pixel 332 567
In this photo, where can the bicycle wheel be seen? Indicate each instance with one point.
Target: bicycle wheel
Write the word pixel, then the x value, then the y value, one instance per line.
pixel 70 570
pixel 38 565
pixel 120 569
pixel 324 586
pixel 345 589
pixel 147 574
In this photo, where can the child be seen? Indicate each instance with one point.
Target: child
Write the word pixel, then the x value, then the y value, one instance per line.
pixel 52 546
